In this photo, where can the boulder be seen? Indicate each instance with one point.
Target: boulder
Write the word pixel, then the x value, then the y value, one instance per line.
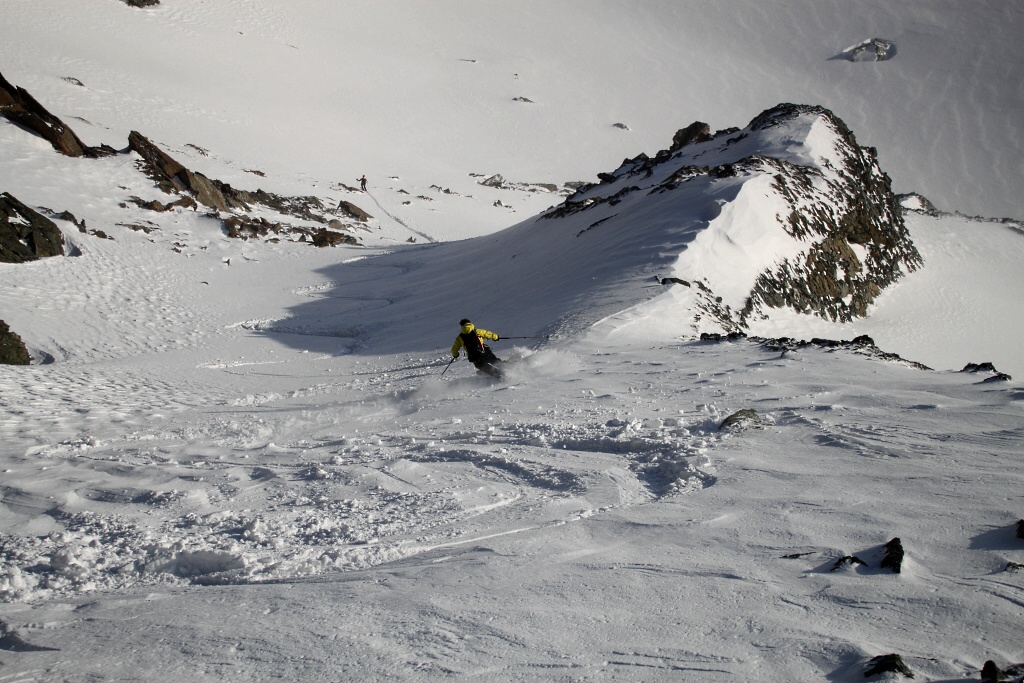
pixel 329 238
pixel 18 106
pixel 142 3
pixel 25 234
pixel 742 419
pixel 12 348
pixel 992 673
pixel 891 663
pixel 353 211
pixel 698 131
pixel 173 176
pixel 893 558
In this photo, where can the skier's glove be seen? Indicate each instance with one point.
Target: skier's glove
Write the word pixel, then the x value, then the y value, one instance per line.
pixel 497 337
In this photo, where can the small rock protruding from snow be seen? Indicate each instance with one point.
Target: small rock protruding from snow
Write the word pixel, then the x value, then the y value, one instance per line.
pixel 991 673
pixel 871 50
pixel 698 131
pixel 893 558
pixel 25 234
pixel 12 349
pixel 742 419
pixel 891 663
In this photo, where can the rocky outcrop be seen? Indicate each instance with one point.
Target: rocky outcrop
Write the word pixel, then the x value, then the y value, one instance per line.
pixel 172 176
pixel 859 244
pixel 815 184
pixel 893 558
pixel 141 3
pixel 883 664
pixel 993 673
pixel 25 234
pixel 698 131
pixel 12 348
pixel 330 238
pixel 18 106
pixel 352 211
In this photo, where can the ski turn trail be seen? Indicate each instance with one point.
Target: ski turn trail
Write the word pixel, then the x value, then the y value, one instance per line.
pixel 398 220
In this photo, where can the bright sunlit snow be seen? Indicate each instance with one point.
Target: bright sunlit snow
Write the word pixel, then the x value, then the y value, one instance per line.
pixel 245 460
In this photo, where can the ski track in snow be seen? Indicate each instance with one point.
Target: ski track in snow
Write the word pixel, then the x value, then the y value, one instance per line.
pixel 398 220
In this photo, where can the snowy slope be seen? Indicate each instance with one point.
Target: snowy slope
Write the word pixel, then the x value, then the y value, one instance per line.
pixel 244 462
pixel 314 92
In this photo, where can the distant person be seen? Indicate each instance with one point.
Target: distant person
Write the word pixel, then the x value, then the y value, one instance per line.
pixel 362 183
pixel 479 354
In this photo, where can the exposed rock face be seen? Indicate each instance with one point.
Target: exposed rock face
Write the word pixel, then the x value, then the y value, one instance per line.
pixel 25 234
pixel 12 348
pixel 698 131
pixel 17 105
pixel 172 176
pixel 847 240
pixel 893 558
pixel 891 663
pixel 991 673
pixel 353 211
pixel 855 210
pixel 329 238
pixel 142 3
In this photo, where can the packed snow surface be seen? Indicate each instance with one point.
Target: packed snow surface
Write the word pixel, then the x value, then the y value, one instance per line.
pixel 246 460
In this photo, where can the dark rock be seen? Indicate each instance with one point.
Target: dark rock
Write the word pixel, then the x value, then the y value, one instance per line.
pixel 1013 567
pixel 723 171
pixel 142 3
pixel 25 234
pixel 18 106
pixel 698 131
pixel 245 227
pixel 979 367
pixel 848 560
pixel 830 280
pixel 998 377
pixel 893 558
pixel 863 345
pixel 987 367
pixel 717 337
pixel 991 673
pixel 674 281
pixel 329 238
pixel 741 419
pixel 621 126
pixel 12 349
pixel 891 663
pixel 168 173
pixel 353 211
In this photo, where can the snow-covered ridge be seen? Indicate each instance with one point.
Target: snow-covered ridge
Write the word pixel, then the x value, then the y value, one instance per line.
pixel 788 212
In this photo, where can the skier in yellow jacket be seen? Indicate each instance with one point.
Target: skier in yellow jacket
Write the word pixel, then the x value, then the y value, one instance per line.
pixel 479 354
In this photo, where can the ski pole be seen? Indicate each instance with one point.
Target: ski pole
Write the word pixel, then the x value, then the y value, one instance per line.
pixel 449 365
pixel 524 337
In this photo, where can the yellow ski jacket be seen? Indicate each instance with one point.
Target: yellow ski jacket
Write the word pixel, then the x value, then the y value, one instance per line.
pixel 481 334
